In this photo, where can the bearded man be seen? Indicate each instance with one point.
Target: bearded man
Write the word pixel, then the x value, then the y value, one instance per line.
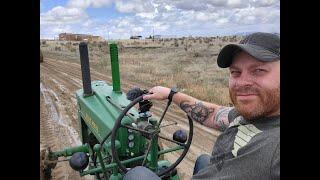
pixel 249 145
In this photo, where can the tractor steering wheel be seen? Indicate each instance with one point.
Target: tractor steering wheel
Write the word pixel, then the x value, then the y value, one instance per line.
pixel 117 125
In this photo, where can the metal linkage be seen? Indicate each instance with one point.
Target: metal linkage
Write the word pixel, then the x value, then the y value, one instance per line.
pixel 108 98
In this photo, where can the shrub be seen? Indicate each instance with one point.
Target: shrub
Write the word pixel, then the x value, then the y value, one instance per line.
pixel 196 54
pixel 73 49
pixel 176 43
pixel 57 48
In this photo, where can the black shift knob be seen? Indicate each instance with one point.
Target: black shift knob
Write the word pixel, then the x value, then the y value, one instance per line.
pixel 134 93
pixel 180 136
pixel 79 161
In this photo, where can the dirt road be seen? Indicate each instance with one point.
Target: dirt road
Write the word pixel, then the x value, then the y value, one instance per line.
pixel 59 81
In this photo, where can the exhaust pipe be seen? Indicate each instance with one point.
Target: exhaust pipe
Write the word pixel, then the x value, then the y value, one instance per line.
pixel 85 69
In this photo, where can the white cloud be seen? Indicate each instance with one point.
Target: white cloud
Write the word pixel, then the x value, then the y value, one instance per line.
pixel 124 23
pixel 134 6
pixel 61 29
pixel 137 30
pixel 62 15
pixel 49 31
pixel 264 3
pixel 88 23
pixel 201 5
pixel 256 16
pixel 166 17
pixel 222 21
pixel 101 3
pixel 160 26
pixel 83 4
pixel 237 3
pixel 146 15
pixel 190 5
pixel 168 8
pixel 206 16
pixel 202 16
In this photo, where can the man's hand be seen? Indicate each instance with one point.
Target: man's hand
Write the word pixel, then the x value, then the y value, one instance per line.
pixel 157 93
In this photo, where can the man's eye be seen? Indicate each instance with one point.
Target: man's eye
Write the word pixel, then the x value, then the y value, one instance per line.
pixel 235 72
pixel 259 70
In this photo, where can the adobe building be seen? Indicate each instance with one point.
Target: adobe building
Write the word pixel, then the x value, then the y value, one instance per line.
pixel 79 37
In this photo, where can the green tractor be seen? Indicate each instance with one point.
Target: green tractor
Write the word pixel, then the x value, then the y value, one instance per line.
pixel 116 135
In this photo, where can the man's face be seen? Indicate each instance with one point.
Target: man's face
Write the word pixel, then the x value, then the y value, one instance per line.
pixel 254 86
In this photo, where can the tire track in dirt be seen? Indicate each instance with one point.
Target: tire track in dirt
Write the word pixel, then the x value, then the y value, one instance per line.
pixel 54 133
pixel 56 128
pixel 68 75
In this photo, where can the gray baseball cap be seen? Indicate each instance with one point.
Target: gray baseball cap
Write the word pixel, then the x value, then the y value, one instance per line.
pixel 262 46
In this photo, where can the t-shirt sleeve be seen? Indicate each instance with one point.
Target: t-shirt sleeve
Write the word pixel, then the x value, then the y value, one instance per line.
pixel 275 164
pixel 233 113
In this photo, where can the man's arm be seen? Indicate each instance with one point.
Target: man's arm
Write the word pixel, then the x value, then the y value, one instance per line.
pixel 208 114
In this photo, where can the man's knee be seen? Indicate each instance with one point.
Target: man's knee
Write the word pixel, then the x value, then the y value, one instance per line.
pixel 140 173
pixel 202 161
pixel 203 158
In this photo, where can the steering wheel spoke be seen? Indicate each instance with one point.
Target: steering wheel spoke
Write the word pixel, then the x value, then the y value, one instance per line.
pixel 146 155
pixel 137 129
pixel 166 125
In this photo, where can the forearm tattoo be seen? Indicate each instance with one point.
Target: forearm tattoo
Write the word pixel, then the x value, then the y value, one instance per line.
pixel 221 120
pixel 197 112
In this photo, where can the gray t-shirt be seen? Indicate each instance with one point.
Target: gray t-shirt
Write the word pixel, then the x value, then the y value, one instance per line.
pixel 245 150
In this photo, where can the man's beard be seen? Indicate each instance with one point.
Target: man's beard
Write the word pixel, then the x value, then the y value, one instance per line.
pixel 265 104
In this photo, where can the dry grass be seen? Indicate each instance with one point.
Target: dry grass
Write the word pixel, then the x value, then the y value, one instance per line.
pixel 188 63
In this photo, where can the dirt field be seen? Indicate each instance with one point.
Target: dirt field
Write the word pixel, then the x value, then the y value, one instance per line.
pixel 61 77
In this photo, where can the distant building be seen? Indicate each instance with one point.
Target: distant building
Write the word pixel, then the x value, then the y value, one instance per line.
pixel 79 37
pixel 164 36
pixel 154 37
pixel 135 37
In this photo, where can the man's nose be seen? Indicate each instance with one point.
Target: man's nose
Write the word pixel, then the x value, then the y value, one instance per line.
pixel 244 80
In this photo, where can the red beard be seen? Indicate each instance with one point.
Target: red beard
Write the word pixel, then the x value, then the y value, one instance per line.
pixel 265 103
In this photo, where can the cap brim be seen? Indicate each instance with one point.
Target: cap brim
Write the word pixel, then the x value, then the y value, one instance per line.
pixel 227 53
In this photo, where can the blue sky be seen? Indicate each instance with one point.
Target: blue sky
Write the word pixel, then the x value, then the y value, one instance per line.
pixel 119 19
